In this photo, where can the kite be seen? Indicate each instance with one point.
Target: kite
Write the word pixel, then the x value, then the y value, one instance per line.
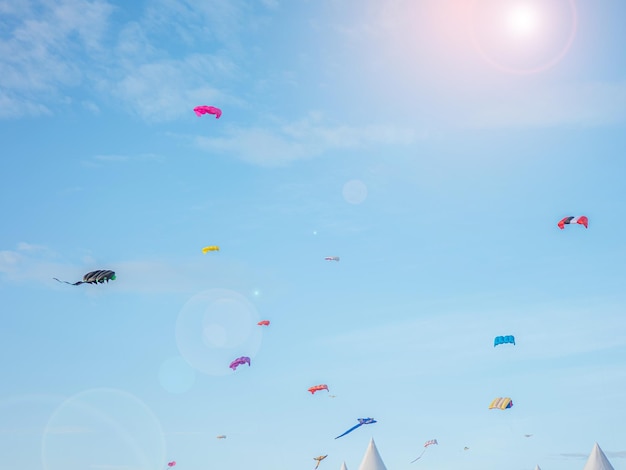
pixel 582 220
pixel 503 339
pixel 501 403
pixel 200 110
pixel 332 258
pixel 319 459
pixel 171 464
pixel 426 444
pixel 317 388
pixel 362 421
pixel 465 448
pixel 332 396
pixel 264 323
pixel 206 249
pixel 240 361
pixel 94 277
pixel 528 435
pixel 221 436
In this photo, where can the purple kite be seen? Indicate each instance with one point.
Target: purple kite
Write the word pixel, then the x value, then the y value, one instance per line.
pixel 200 110
pixel 362 421
pixel 240 361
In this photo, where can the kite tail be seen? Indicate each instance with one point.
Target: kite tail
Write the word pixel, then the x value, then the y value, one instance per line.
pixel 420 456
pixel 70 283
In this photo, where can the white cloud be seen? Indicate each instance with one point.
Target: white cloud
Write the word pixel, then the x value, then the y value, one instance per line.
pixel 12 105
pixel 68 430
pixel 54 46
pixel 565 331
pixel 32 263
pixel 97 161
pixel 40 53
pixel 302 140
pixel 169 89
pixel 586 104
pixel 91 106
pixel 271 4
pixel 23 246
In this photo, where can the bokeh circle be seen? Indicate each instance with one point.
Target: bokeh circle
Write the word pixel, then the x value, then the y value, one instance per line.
pixel 215 327
pixel 354 191
pixel 102 428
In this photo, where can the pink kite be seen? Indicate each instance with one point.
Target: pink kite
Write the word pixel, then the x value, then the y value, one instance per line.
pixel 171 464
pixel 239 361
pixel 200 110
pixel 264 323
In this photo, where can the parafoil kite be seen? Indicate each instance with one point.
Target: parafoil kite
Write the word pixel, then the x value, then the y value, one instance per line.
pixel 466 448
pixel 171 464
pixel 94 277
pixel 362 421
pixel 332 258
pixel 426 444
pixel 501 403
pixel 528 435
pixel 200 110
pixel 221 436
pixel 319 459
pixel 582 220
pixel 264 323
pixel 240 361
pixel 206 249
pixel 317 388
pixel 503 339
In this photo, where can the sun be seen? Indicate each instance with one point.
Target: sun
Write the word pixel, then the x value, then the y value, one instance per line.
pixel 523 20
pixel 522 36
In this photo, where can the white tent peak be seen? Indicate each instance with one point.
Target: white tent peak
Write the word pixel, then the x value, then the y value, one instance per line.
pixel 343 466
pixel 371 459
pixel 537 467
pixel 597 460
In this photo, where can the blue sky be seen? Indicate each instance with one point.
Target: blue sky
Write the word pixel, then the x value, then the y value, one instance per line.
pixel 432 146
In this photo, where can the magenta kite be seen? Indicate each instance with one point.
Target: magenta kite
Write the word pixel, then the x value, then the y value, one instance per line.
pixel 200 110
pixel 239 361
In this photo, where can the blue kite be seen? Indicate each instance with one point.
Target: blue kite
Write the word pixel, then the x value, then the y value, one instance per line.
pixel 362 421
pixel 503 339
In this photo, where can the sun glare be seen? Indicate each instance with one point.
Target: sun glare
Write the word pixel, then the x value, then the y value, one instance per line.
pixel 523 20
pixel 522 36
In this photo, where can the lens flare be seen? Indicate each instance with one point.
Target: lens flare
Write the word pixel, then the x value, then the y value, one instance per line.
pixel 522 36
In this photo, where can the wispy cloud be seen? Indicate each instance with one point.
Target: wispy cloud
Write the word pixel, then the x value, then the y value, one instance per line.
pixel 580 456
pixel 168 89
pixel 98 161
pixel 585 104
pixel 114 467
pixel 303 139
pixel 42 52
pixel 31 263
pixel 54 47
pixel 443 337
pixel 68 430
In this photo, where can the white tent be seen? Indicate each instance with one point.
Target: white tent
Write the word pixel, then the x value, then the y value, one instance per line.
pixel 371 459
pixel 597 460
pixel 343 466
pixel 537 467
